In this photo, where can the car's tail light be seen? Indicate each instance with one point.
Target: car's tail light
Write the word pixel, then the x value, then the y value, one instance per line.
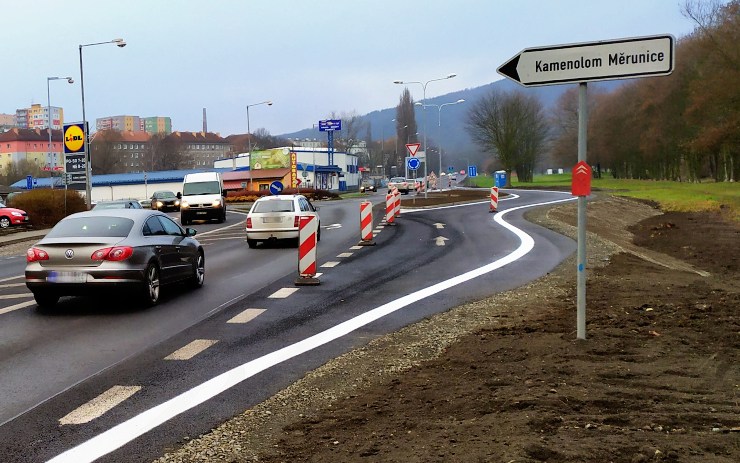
pixel 297 221
pixel 249 222
pixel 115 254
pixel 36 254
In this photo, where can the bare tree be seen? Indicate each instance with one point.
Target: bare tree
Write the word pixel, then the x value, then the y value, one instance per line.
pixel 105 152
pixel 406 127
pixel 15 171
pixel 513 128
pixel 164 153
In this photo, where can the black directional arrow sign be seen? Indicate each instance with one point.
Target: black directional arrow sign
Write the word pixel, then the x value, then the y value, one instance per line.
pixel 585 62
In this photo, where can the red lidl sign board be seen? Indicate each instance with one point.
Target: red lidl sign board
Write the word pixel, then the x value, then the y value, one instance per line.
pixel 581 183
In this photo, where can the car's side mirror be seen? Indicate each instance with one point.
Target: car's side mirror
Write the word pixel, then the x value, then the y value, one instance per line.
pixel 179 195
pixel 190 231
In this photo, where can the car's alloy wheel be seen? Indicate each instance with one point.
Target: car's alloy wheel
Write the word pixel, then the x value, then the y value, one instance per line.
pixel 151 285
pixel 45 300
pixel 4 222
pixel 199 270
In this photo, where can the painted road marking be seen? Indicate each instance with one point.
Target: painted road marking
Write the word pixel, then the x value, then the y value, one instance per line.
pixel 355 248
pixel 191 350
pixel 125 432
pixel 11 278
pixel 16 296
pixel 12 285
pixel 99 405
pixel 330 264
pixel 246 316
pixel 345 254
pixel 21 305
pixel 282 293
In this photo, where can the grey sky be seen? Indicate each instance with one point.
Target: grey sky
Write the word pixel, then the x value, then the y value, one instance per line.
pixel 309 57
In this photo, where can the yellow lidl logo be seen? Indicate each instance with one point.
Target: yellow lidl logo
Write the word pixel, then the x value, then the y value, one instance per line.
pixel 74 138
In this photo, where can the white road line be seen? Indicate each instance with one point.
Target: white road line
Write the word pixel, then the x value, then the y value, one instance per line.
pixel 246 316
pixel 99 405
pixel 329 264
pixel 125 432
pixel 12 285
pixel 356 248
pixel 282 293
pixel 240 237
pixel 238 224
pixel 11 278
pixel 318 275
pixel 345 254
pixel 15 296
pixel 21 305
pixel 191 350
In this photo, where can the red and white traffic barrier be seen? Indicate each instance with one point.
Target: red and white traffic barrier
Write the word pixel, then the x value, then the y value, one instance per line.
pixel 397 203
pixel 390 208
pixel 307 232
pixel 366 224
pixel 494 199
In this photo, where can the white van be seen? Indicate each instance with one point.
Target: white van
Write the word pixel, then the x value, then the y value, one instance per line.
pixel 202 198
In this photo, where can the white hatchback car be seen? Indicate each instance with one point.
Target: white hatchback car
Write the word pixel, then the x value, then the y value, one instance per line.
pixel 277 218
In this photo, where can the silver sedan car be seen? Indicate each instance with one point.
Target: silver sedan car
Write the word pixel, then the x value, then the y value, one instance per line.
pixel 126 249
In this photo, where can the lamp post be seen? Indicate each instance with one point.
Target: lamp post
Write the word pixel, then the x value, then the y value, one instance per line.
pixel 88 167
pixel 439 125
pixel 249 141
pixel 423 99
pixel 49 124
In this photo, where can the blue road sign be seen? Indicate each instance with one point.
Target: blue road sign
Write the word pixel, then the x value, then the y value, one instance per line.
pixel 413 163
pixel 472 171
pixel 276 187
pixel 450 168
pixel 330 125
pixel 29 182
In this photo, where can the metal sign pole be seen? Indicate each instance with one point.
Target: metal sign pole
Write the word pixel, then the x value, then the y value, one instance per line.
pixel 581 273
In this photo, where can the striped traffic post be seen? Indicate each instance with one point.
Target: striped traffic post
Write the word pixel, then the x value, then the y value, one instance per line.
pixel 307 230
pixel 397 203
pixel 390 207
pixel 494 199
pixel 366 224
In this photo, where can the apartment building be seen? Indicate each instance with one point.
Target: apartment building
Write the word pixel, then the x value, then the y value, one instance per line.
pixel 37 117
pixel 151 125
pixel 31 145
pixel 201 149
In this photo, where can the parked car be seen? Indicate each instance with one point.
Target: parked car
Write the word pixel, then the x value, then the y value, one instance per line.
pixel 165 201
pixel 10 216
pixel 277 218
pixel 368 186
pixel 119 204
pixel 131 250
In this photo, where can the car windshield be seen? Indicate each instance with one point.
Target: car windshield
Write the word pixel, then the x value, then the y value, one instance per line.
pixel 201 188
pixel 280 205
pixel 398 179
pixel 92 226
pixel 113 205
pixel 164 195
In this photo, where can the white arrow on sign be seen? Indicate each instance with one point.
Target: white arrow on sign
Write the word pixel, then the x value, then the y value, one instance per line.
pixel 440 240
pixel 439 225
pixel 582 169
pixel 584 62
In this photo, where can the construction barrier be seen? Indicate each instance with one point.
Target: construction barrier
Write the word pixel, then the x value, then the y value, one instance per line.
pixel 397 203
pixel 494 199
pixel 390 208
pixel 307 231
pixel 366 224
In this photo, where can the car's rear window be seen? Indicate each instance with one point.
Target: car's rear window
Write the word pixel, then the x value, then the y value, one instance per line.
pixel 278 205
pixel 92 226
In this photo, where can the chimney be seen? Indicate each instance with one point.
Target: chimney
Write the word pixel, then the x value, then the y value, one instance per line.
pixel 205 121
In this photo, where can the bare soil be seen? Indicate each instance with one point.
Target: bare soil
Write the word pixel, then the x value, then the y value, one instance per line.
pixel 506 380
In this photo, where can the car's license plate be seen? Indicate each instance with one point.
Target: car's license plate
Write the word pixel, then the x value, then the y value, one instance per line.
pixel 272 219
pixel 201 213
pixel 67 277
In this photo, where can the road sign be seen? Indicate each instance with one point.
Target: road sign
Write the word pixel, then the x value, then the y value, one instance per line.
pixel 330 125
pixel 472 171
pixel 450 169
pixel 29 182
pixel 581 181
pixel 413 163
pixel 74 138
pixel 413 148
pixel 591 61
pixel 276 187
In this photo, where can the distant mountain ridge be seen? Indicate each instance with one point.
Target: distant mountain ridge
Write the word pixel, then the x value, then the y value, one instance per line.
pixel 456 142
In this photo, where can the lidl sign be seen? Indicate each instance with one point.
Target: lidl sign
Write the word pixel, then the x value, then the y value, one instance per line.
pixel 74 138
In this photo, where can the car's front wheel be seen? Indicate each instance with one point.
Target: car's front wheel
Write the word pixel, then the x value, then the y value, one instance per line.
pixel 4 222
pixel 45 300
pixel 151 288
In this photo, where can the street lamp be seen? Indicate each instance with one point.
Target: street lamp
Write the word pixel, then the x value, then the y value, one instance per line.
pixel 249 141
pixel 439 125
pixel 88 167
pixel 49 124
pixel 423 99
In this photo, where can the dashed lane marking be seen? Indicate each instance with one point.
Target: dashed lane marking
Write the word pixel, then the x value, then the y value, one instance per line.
pixel 12 285
pixel 11 278
pixel 99 405
pixel 355 248
pixel 345 254
pixel 15 296
pixel 330 264
pixel 282 293
pixel 191 350
pixel 21 305
pixel 246 316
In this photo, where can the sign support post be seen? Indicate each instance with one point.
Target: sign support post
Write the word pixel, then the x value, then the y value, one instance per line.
pixel 581 254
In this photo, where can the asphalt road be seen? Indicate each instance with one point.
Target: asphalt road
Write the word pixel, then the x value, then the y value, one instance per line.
pixel 260 331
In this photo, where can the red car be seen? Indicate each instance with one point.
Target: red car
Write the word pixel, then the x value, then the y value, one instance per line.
pixel 10 216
